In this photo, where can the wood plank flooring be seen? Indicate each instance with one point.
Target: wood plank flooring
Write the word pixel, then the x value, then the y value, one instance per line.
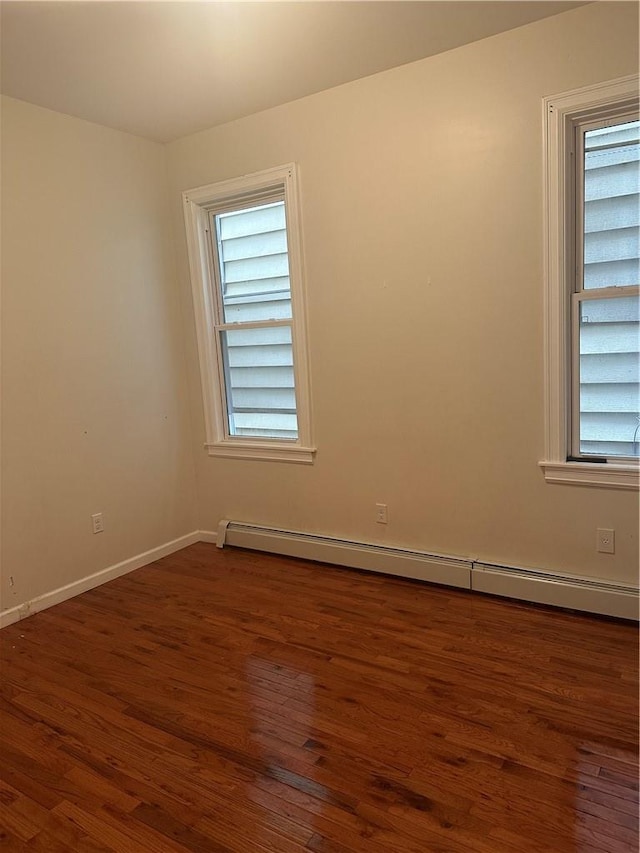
pixel 223 701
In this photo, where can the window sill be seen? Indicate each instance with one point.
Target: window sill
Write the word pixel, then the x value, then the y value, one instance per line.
pixel 262 451
pixel 616 476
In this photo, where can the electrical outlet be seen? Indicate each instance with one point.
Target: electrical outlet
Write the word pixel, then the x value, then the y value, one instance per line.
pixel 381 514
pixel 606 541
pixel 98 524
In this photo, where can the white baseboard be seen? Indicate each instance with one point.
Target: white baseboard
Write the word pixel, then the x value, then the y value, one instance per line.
pixel 208 536
pixel 14 614
pixel 542 587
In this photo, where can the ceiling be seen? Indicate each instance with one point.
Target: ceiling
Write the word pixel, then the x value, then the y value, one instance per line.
pixel 163 70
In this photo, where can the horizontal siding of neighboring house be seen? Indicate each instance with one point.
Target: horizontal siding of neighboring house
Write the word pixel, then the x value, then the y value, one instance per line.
pixel 609 331
pixel 252 247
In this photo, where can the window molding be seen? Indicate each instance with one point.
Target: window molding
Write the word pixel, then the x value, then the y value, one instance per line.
pixel 559 114
pixel 197 204
pixel 591 474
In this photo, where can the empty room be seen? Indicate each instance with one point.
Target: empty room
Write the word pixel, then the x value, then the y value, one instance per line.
pixel 320 426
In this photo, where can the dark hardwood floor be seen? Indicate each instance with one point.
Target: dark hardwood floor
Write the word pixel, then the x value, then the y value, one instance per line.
pixel 232 701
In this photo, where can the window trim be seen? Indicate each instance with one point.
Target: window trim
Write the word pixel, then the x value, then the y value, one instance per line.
pixel 197 204
pixel 560 112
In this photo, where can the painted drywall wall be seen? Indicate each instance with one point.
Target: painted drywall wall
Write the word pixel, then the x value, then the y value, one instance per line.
pixel 95 411
pixel 422 209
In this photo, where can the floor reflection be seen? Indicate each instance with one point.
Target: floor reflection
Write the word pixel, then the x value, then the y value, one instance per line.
pixel 282 701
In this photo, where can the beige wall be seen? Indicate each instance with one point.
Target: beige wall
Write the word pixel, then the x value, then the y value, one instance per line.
pixel 95 413
pixel 422 206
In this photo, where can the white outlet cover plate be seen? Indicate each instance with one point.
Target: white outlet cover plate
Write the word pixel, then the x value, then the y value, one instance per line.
pixel 606 542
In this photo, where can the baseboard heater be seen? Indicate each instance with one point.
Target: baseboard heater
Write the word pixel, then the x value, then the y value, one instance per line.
pixel 572 591
pixel 451 571
pixel 542 587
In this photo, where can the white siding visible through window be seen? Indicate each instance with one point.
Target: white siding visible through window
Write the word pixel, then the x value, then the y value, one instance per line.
pixel 254 280
pixel 608 328
pixel 255 267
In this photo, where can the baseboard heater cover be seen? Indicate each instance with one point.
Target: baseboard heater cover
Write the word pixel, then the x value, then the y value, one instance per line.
pixel 434 568
pixel 542 587
pixel 572 591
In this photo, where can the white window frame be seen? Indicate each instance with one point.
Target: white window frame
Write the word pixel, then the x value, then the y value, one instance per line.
pixel 198 204
pixel 560 114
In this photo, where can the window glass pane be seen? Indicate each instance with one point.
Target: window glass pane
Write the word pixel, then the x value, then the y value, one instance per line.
pixel 612 206
pixel 254 263
pixel 609 376
pixel 259 379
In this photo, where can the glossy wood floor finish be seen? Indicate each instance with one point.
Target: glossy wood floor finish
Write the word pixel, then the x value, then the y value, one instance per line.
pixel 231 701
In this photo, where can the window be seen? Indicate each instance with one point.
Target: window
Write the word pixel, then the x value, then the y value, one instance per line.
pixel 245 258
pixel 592 286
